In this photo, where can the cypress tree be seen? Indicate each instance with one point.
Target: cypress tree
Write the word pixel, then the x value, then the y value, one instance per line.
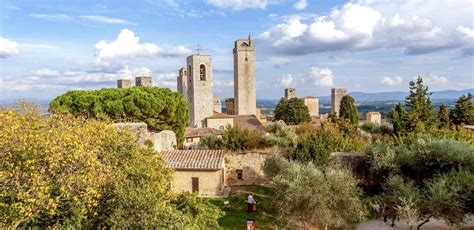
pixel 348 110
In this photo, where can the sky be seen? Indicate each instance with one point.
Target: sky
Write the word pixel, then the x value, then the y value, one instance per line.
pixel 50 47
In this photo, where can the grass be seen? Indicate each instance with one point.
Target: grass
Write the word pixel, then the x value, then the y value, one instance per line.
pixel 236 211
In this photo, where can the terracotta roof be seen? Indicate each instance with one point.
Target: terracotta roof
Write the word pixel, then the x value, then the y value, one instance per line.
pixel 248 121
pixel 194 159
pixel 200 132
pixel 220 115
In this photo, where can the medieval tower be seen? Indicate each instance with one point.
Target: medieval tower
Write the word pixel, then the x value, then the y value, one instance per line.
pixel 336 96
pixel 183 82
pixel 244 77
pixel 199 84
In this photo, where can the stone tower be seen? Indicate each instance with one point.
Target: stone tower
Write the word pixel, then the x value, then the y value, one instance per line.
pixel 336 96
pixel 244 77
pixel 199 69
pixel 183 82
pixel 143 81
pixel 290 93
pixel 124 83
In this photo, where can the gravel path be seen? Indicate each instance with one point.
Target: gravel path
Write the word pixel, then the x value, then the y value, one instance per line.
pixel 433 224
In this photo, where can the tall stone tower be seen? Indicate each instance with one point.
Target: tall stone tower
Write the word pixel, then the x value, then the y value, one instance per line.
pixel 244 77
pixel 199 89
pixel 290 93
pixel 183 82
pixel 336 96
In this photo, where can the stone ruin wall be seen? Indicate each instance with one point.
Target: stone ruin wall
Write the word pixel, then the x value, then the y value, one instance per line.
pixel 251 164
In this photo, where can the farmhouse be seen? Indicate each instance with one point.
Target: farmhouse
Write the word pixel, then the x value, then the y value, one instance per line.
pixel 198 171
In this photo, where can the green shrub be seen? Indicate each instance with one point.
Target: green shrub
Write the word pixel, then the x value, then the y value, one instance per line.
pixel 281 137
pixel 235 138
pixel 328 138
pixel 292 111
pixel 211 142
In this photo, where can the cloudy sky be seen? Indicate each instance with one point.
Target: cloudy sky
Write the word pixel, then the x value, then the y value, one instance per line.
pixel 50 47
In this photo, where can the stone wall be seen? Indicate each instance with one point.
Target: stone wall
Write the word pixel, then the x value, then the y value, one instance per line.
pixel 124 83
pixel 211 183
pixel 164 140
pixel 143 81
pixel 250 163
pixel 217 123
pixel 374 117
pixel 313 105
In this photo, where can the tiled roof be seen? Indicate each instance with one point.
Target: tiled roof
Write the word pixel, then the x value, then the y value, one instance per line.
pixel 220 115
pixel 248 122
pixel 200 132
pixel 194 159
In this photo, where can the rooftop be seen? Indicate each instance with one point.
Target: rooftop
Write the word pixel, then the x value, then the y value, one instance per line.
pixel 194 159
pixel 199 132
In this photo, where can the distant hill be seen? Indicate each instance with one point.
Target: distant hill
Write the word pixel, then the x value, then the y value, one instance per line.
pixel 399 95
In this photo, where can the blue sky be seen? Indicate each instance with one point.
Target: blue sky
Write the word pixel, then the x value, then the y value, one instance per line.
pixel 50 47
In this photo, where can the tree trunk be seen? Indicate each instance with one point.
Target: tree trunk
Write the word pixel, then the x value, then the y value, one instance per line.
pixel 424 222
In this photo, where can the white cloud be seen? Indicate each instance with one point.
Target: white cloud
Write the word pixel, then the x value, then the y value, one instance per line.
pixel 128 46
pixel 465 30
pixel 61 81
pixel 392 81
pixel 242 4
pixel 300 4
pixel 106 20
pixel 92 18
pixel 8 48
pixel 286 81
pixel 435 80
pixel 52 17
pixel 319 77
pixel 168 79
pixel 357 27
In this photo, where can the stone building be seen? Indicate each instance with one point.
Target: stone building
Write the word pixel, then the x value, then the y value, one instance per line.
pixel 199 89
pixel 245 168
pixel 197 171
pixel 124 83
pixel 244 77
pixel 217 104
pixel 183 82
pixel 192 136
pixel 143 81
pixel 374 117
pixel 313 105
pixel 220 121
pixel 336 96
pixel 230 106
pixel 290 93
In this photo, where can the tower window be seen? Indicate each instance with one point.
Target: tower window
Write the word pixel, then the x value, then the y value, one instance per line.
pixel 246 59
pixel 202 72
pixel 189 70
pixel 240 174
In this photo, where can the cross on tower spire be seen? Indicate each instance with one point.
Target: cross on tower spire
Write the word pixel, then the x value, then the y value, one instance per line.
pixel 198 49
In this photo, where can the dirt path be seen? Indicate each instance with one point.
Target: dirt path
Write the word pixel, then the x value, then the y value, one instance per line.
pixel 434 224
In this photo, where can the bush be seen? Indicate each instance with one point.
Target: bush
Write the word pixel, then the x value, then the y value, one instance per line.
pixel 211 142
pixel 428 157
pixel 235 138
pixel 305 128
pixel 322 197
pixel 281 137
pixel 65 172
pixel 159 108
pixel 328 138
pixel 274 164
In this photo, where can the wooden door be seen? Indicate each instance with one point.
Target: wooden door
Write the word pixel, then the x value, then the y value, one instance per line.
pixel 195 182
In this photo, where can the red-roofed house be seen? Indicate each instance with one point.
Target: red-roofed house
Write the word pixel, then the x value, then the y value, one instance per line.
pixel 200 171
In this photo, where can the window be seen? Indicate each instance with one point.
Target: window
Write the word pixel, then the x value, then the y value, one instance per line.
pixel 202 72
pixel 240 174
pixel 189 140
pixel 195 184
pixel 246 59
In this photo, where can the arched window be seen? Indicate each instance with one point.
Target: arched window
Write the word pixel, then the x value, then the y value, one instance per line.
pixel 202 72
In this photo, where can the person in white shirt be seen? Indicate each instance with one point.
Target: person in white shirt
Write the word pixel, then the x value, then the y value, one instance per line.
pixel 250 202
